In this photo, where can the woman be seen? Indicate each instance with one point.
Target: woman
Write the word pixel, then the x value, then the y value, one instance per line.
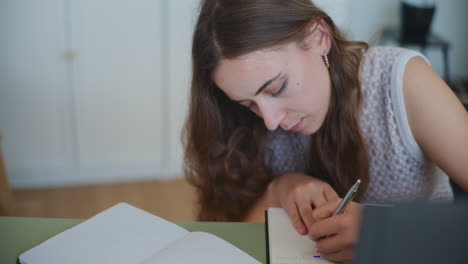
pixel 285 112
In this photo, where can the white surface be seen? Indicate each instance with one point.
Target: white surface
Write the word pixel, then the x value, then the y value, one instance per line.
pixel 117 79
pixel 201 247
pixel 338 10
pixel 33 84
pixel 122 234
pixel 118 101
pixel 286 245
pixel 181 17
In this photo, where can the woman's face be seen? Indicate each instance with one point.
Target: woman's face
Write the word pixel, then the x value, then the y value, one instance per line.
pixel 288 86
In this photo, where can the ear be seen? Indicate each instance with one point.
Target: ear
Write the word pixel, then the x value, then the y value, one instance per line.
pixel 319 37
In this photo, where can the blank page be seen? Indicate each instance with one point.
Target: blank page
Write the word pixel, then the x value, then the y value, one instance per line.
pixel 122 234
pixel 201 247
pixel 286 246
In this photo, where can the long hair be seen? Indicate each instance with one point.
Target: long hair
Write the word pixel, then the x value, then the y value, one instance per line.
pixel 224 142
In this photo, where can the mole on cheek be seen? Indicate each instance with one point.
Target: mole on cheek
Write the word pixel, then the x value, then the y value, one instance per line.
pixel 297 84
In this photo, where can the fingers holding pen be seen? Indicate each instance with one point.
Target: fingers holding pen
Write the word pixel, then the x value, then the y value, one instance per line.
pixel 336 237
pixel 300 210
pixel 325 223
pixel 329 193
pixel 299 194
pixel 326 210
pixel 305 206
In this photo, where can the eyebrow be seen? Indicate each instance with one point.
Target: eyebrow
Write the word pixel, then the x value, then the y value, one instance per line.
pixel 263 87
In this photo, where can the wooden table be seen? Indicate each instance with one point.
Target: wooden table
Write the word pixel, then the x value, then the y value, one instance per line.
pixel 6 200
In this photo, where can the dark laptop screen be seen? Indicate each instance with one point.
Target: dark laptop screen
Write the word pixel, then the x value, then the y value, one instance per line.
pixel 414 233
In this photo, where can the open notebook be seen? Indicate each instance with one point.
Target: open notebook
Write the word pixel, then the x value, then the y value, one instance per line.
pixel 124 234
pixel 285 245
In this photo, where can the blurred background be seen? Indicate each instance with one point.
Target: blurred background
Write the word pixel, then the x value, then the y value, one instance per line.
pixel 93 94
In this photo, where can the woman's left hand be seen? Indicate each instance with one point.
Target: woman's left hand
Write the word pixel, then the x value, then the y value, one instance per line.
pixel 336 236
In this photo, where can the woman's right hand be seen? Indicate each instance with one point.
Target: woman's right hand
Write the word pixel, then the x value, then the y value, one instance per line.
pixel 298 194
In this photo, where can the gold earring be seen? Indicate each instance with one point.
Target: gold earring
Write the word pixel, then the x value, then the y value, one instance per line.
pixel 325 58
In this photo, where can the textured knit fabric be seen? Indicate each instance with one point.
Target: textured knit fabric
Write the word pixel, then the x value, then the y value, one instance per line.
pixel 399 171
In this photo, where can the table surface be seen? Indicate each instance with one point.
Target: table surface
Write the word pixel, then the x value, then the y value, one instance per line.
pixel 18 234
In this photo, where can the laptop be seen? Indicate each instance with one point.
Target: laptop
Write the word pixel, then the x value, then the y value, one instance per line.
pixel 413 234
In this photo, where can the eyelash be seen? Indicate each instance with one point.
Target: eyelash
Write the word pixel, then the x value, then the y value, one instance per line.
pixel 281 90
pixel 278 93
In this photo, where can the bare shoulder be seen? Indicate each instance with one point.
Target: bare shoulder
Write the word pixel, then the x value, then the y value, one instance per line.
pixel 438 120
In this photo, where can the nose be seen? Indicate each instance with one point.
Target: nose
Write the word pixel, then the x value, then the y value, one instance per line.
pixel 272 115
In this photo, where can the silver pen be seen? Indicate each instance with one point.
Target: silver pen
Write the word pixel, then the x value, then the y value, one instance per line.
pixel 348 198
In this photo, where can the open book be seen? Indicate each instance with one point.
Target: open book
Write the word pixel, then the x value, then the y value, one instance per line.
pixel 124 234
pixel 285 245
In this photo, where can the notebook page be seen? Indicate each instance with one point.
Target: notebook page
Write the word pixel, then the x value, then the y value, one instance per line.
pixel 201 247
pixel 122 234
pixel 286 246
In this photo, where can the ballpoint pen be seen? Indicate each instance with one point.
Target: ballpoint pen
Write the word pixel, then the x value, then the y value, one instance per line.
pixel 348 198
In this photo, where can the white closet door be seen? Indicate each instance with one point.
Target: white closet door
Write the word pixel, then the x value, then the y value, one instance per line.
pixel 182 15
pixel 34 88
pixel 118 87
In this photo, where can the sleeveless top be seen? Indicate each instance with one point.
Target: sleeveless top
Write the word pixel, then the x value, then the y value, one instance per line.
pixel 398 169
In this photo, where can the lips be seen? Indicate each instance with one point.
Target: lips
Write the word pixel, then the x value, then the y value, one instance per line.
pixel 297 126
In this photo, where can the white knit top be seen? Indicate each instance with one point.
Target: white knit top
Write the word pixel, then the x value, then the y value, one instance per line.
pixel 399 171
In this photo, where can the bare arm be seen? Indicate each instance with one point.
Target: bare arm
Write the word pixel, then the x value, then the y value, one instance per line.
pixel 297 193
pixel 256 214
pixel 437 119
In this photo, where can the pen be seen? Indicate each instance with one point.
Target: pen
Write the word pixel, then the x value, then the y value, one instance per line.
pixel 348 197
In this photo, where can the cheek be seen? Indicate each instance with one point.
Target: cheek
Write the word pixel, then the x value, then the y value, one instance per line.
pixel 318 87
pixel 313 80
pixel 312 97
pixel 255 111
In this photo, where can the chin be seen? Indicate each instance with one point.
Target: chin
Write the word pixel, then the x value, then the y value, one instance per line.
pixel 307 132
pixel 310 130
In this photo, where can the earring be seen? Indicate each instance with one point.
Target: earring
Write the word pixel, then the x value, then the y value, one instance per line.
pixel 325 58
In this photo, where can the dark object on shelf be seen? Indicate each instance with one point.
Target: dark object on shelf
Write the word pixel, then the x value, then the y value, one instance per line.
pixel 415 22
pixel 432 40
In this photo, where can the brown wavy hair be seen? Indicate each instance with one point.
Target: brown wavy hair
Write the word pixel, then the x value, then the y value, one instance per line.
pixel 225 146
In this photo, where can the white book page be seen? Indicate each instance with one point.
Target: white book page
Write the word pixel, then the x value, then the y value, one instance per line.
pixel 203 248
pixel 286 246
pixel 122 234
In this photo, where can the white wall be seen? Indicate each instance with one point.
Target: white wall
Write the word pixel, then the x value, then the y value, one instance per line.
pixel 181 16
pixel 81 91
pixel 367 17
pixel 92 105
